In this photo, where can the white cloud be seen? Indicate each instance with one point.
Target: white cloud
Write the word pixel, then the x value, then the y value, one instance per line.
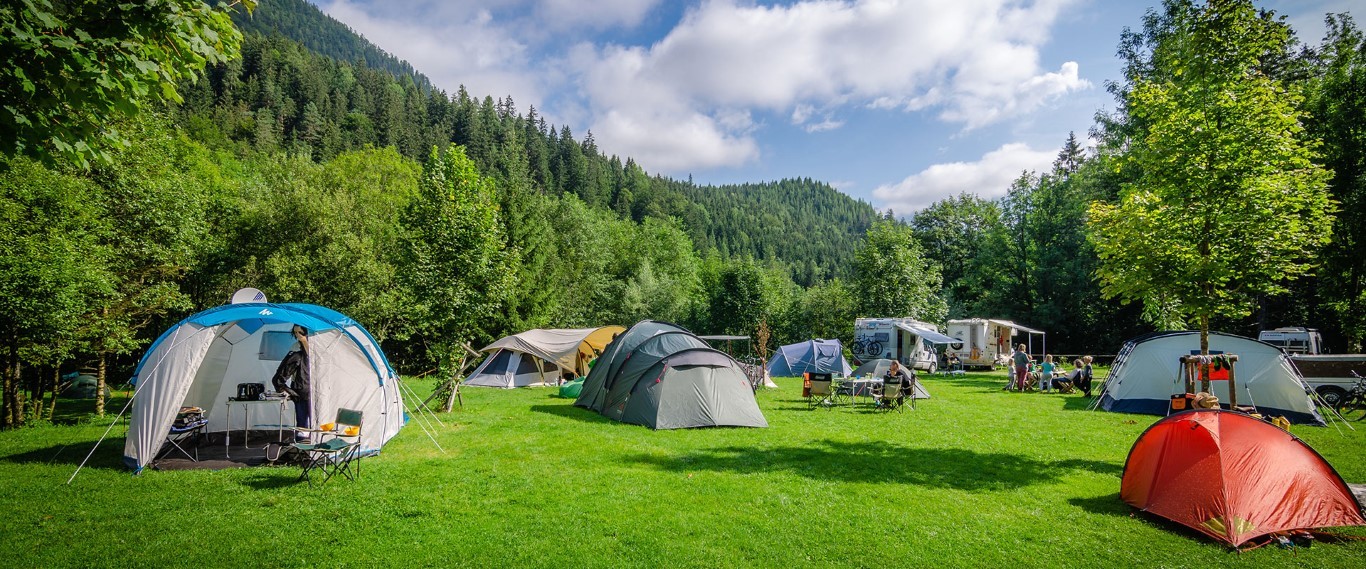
pixel 972 63
pixel 598 14
pixel 696 98
pixel 457 45
pixel 990 177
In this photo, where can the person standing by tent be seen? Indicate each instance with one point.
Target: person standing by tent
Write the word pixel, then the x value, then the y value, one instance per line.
pixel 292 378
pixel 1084 381
pixel 1021 360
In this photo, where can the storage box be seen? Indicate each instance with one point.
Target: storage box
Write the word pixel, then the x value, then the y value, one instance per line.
pixel 1182 402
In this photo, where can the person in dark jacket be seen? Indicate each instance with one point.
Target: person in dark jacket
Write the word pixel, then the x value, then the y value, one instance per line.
pixel 292 378
pixel 895 373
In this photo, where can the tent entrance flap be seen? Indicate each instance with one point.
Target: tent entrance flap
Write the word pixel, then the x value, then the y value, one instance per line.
pixel 928 335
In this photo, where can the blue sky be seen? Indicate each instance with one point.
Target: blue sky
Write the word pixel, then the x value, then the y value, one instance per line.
pixel 900 104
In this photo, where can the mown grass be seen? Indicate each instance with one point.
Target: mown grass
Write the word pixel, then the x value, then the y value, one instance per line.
pixel 974 477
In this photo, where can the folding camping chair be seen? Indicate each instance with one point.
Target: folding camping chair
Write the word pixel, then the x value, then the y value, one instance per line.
pixel 889 396
pixel 185 434
pixel 819 391
pixel 1065 383
pixel 336 454
pixel 187 431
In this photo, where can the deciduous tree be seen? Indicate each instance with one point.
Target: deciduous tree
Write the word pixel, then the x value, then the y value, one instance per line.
pixel 1228 201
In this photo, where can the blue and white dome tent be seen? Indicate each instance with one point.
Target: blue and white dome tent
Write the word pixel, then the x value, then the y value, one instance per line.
pixel 199 362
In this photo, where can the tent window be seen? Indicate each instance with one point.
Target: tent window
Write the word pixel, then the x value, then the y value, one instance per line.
pixel 275 345
pixel 499 365
pixel 526 364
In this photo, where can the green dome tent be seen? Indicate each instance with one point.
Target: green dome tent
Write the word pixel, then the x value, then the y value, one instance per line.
pixel 662 376
pixel 83 386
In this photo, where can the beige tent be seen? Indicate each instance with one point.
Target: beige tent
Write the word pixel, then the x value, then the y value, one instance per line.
pixel 541 356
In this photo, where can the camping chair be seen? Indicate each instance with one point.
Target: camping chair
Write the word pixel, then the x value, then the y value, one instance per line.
pixel 888 396
pixel 336 454
pixel 1065 383
pixel 820 391
pixel 185 433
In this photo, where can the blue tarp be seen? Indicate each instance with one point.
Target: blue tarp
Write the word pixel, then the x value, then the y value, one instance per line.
pixel 814 356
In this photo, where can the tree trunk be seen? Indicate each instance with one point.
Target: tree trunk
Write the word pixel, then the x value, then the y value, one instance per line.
pixel 99 388
pixel 56 382
pixel 7 399
pixel 35 397
pixel 17 408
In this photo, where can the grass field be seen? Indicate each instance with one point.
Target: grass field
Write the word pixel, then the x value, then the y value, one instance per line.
pixel 975 477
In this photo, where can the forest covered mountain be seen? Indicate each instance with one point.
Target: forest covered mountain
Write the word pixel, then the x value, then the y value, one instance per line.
pixel 300 86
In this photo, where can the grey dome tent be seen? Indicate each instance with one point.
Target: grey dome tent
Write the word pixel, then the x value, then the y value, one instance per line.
pixel 879 367
pixel 815 356
pixel 662 376
pixel 1147 372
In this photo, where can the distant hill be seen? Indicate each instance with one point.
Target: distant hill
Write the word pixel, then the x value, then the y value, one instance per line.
pixel 305 23
pixel 298 86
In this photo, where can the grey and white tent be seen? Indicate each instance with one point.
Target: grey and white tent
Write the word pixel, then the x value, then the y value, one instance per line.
pixel 662 376
pixel 540 357
pixel 815 356
pixel 1147 372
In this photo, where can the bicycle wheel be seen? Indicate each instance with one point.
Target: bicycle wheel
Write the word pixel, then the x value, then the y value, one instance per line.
pixel 874 348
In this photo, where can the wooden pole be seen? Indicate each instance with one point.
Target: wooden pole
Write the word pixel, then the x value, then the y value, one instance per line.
pixel 1232 387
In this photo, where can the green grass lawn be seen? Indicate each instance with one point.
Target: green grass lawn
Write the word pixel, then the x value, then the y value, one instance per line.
pixel 975 477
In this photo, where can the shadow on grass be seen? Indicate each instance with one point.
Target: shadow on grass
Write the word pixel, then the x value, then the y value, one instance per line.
pixel 958 469
pixel 1077 402
pixel 109 455
pixel 571 412
pixel 274 478
pixel 1109 504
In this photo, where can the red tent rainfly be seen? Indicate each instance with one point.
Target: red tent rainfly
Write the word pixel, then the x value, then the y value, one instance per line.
pixel 1234 478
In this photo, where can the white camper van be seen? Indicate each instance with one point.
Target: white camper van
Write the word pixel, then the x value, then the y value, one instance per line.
pixel 1294 340
pixel 906 340
pixel 983 342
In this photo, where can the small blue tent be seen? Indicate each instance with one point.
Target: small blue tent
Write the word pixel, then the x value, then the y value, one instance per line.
pixel 815 356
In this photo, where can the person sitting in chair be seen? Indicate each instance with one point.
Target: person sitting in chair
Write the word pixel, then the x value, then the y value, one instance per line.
pixel 292 378
pixel 895 373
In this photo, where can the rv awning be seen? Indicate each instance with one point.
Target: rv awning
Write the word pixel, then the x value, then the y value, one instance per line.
pixel 928 335
pixel 1017 327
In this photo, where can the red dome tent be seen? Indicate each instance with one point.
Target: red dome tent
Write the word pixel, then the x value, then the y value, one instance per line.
pixel 1234 478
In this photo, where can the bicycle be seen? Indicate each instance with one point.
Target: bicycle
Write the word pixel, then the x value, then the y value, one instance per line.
pixel 866 345
pixel 1355 399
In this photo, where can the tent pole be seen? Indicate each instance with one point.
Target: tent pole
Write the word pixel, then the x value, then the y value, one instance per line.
pixel 97 443
pixel 420 423
pixel 421 405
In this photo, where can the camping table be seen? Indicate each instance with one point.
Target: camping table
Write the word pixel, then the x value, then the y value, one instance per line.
pixel 860 387
pixel 246 421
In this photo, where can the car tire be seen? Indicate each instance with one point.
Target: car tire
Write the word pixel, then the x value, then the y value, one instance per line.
pixel 1332 395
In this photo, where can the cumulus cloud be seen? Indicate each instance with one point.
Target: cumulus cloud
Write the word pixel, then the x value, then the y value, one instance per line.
pixel 454 44
pixel 990 178
pixel 694 98
pixel 971 63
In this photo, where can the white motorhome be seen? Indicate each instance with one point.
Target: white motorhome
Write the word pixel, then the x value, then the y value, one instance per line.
pixel 906 340
pixel 1329 374
pixel 1294 340
pixel 984 342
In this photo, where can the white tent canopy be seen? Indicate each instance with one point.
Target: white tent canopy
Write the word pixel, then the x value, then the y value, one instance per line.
pixel 540 356
pixel 199 362
pixel 1147 372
